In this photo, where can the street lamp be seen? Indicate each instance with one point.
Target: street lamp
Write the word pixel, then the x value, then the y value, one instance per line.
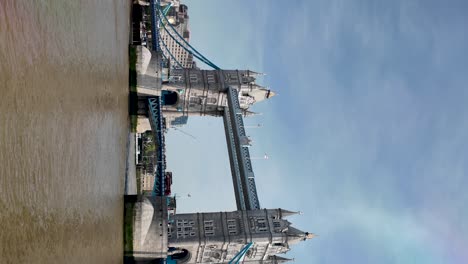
pixel 265 157
pixel 254 126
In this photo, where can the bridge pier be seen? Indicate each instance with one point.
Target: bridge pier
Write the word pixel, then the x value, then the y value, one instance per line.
pixel 145 221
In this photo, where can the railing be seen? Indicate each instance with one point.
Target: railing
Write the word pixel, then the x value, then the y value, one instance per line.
pixel 155 25
pixel 156 122
pixel 241 155
pixel 236 174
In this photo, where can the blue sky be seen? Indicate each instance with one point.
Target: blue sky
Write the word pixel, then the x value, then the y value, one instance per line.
pixel 368 135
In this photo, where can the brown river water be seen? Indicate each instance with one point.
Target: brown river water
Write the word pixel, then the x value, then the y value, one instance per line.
pixel 63 130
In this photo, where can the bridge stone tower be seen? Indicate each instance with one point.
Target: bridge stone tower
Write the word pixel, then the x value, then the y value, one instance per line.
pixel 198 92
pixel 218 237
pixel 189 92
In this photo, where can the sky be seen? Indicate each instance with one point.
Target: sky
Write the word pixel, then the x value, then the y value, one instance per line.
pixel 368 135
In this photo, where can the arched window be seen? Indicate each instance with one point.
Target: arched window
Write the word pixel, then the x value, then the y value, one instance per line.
pixel 211 100
pixel 182 256
pixel 169 97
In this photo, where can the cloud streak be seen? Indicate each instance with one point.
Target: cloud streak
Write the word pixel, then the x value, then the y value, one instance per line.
pixel 368 135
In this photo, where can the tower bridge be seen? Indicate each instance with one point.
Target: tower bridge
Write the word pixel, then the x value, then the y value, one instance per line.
pixel 222 93
pixel 250 234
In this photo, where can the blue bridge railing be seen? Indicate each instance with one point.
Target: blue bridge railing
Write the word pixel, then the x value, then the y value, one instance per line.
pixel 156 122
pixel 155 26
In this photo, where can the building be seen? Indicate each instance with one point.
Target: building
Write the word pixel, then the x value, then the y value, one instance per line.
pixel 189 92
pixel 218 237
pixel 179 20
pixel 173 121
pixel 147 182
pixel 203 92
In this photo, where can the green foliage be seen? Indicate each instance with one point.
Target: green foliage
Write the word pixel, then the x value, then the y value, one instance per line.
pixel 128 227
pixel 138 180
pixel 133 122
pixel 132 79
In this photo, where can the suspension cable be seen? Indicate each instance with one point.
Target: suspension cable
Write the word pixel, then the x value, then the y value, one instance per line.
pixel 200 56
pixel 189 51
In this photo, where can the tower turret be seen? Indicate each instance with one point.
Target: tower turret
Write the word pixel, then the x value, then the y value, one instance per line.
pixel 203 92
pixel 218 237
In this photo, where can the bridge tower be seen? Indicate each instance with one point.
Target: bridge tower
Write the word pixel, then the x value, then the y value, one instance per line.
pixel 218 237
pixel 190 92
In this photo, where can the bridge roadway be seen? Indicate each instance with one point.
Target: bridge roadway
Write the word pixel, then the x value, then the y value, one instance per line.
pixel 239 157
pixel 243 176
pixel 156 122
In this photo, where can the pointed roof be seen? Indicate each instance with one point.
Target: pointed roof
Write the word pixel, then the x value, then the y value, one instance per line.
pixel 270 94
pixel 250 113
pixel 292 231
pixel 295 235
pixel 278 259
pixel 253 73
pixel 286 213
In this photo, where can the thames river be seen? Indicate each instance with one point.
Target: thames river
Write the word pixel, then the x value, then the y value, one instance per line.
pixel 63 130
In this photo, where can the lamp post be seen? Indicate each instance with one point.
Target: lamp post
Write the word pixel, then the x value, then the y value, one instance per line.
pixel 265 157
pixel 254 126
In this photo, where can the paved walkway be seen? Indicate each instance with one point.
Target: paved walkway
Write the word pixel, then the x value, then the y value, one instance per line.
pixel 130 174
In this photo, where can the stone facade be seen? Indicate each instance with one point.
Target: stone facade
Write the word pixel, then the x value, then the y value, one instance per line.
pixel 193 92
pixel 149 226
pixel 218 237
pixel 147 182
pixel 149 72
pixel 203 92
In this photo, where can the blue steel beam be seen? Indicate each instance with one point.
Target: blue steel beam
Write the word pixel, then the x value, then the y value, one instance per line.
pixel 241 254
pixel 155 27
pixel 235 171
pixel 156 122
pixel 166 9
pixel 247 176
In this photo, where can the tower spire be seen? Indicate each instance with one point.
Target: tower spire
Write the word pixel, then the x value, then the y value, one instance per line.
pixel 279 260
pixel 286 213
pixel 253 73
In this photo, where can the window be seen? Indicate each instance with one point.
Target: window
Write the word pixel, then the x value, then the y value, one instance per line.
pixel 195 100
pixel 211 101
pixel 231 77
pixel 276 224
pixel 211 78
pixel 193 78
pixel 209 227
pixel 261 225
pixel 185 228
pixel 232 224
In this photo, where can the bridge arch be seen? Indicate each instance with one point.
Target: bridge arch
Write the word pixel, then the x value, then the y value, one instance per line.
pixel 182 256
pixel 169 98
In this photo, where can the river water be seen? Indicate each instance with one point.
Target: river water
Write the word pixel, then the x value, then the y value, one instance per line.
pixel 63 130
